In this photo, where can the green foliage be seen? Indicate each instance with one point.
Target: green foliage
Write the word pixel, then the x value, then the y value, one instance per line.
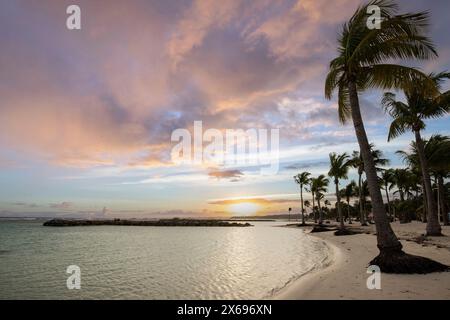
pixel 421 104
pixel 362 53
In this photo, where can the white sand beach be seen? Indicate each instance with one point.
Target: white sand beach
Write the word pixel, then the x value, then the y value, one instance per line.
pixel 345 277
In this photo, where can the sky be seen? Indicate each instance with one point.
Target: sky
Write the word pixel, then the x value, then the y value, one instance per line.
pixel 86 116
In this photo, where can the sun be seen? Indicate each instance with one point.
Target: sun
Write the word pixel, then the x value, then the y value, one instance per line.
pixel 244 208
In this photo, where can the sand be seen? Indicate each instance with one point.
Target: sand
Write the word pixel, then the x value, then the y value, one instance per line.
pixel 346 275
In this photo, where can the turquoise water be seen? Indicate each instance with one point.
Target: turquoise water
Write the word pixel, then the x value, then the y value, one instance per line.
pixel 120 262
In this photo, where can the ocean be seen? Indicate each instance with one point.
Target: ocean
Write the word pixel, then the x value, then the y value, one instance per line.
pixel 131 262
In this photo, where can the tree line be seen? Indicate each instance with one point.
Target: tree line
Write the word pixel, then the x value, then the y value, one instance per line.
pixel 372 59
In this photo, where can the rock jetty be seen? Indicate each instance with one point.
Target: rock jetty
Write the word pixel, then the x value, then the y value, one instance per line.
pixel 154 223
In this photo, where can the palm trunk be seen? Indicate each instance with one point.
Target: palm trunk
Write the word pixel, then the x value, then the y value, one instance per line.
pixel 424 196
pixel 361 208
pixel 433 226
pixel 388 202
pixel 366 218
pixel 341 218
pixel 301 199
pixel 438 203
pixel 320 212
pixel 348 211
pixel 387 241
pixel 443 202
pixel 313 210
pixel 404 215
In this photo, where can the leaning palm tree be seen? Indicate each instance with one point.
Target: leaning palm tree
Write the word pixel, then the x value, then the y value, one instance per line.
pixel 339 165
pixel 421 104
pixel 318 188
pixel 302 179
pixel 364 62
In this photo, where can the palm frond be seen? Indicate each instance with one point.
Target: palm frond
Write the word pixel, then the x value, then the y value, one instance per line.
pixel 388 76
pixel 344 110
pixel 397 128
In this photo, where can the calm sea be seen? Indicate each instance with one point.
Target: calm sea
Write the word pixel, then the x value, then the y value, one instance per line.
pixel 120 262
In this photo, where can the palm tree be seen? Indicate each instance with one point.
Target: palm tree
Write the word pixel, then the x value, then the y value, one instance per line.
pixel 358 163
pixel 318 187
pixel 421 104
pixel 406 182
pixel 319 197
pixel 446 196
pixel 363 191
pixel 327 204
pixel 437 154
pixel 387 180
pixel 307 203
pixel 339 165
pixel 302 179
pixel 312 190
pixel 361 65
pixel 412 160
pixel 402 179
pixel 348 193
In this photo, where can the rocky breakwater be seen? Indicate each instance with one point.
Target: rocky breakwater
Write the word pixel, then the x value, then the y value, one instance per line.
pixel 153 223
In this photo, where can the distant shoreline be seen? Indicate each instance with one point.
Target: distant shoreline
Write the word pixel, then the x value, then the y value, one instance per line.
pixel 158 223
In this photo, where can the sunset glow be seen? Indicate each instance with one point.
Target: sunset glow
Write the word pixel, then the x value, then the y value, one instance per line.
pixel 244 208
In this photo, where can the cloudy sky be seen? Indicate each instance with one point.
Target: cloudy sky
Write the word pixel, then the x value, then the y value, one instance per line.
pixel 86 116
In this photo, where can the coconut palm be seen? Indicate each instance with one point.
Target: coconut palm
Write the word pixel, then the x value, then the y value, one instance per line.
pixel 302 179
pixel 446 197
pixel 327 204
pixel 318 187
pixel 403 180
pixel 312 190
pixel 360 65
pixel 387 181
pixel 437 150
pixel 421 104
pixel 319 197
pixel 339 165
pixel 437 154
pixel 358 163
pixel 307 204
pixel 413 163
pixel 406 182
pixel 363 192
pixel 349 192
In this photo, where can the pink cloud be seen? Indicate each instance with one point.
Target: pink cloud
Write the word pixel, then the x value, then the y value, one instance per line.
pixel 113 92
